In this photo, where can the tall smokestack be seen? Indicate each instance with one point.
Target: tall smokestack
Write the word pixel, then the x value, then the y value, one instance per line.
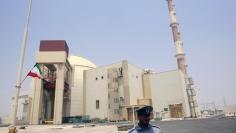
pixel 180 55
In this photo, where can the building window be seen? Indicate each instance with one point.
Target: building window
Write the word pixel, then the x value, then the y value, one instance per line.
pixel 102 77
pixel 96 78
pixel 165 109
pixel 116 111
pixel 116 90
pixel 97 104
pixel 121 99
pixel 136 77
pixel 116 100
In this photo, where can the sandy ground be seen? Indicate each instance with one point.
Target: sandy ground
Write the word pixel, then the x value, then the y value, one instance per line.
pixel 65 129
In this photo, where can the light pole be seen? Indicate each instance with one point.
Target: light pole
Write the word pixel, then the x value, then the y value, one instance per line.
pixel 21 63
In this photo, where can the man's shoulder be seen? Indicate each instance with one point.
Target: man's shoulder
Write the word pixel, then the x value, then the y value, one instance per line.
pixel 132 130
pixel 154 126
pixel 156 129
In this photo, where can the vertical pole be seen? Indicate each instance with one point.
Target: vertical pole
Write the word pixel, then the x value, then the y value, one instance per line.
pixel 21 63
pixel 133 116
pixel 180 55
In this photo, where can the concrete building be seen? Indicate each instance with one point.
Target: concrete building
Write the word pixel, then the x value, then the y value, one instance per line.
pixel 110 92
pixel 23 111
pixel 180 56
pixel 73 86
pixel 60 93
pixel 79 65
pixel 52 95
pixel 6 120
pixel 230 111
pixel 169 93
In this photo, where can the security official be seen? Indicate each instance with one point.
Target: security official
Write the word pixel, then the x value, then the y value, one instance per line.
pixel 143 126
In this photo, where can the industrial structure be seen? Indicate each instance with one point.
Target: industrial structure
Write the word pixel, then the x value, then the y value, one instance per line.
pixel 23 112
pixel 169 94
pixel 73 86
pixel 51 96
pixel 79 65
pixel 230 111
pixel 180 55
pixel 112 91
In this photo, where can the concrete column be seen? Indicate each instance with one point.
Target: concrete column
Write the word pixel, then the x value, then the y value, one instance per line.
pixel 36 106
pixel 58 104
pixel 49 109
pixel 84 93
pixel 146 86
pixel 68 104
pixel 126 83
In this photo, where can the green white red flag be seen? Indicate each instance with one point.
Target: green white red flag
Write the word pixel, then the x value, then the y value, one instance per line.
pixel 36 72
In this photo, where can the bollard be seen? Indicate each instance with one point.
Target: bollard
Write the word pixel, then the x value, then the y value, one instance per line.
pixel 12 130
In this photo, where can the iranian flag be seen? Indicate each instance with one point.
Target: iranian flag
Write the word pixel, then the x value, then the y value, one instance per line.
pixel 35 72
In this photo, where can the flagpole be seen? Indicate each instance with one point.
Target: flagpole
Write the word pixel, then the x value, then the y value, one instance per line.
pixel 21 63
pixel 26 75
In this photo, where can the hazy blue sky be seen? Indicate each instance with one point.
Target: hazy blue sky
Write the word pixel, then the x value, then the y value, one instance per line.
pixel 107 31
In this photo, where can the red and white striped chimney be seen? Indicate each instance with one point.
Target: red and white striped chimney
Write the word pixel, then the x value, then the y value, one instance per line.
pixel 180 55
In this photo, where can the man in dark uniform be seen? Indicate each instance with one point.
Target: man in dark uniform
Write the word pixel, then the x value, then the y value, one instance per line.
pixel 144 116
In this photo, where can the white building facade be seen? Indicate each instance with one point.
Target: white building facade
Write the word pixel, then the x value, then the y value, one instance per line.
pixel 73 86
pixel 23 110
pixel 79 65
pixel 111 91
pixel 230 111
pixel 169 95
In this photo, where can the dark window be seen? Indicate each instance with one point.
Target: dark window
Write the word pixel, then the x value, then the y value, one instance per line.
pixel 116 111
pixel 96 78
pixel 102 77
pixel 116 90
pixel 97 104
pixel 116 100
pixel 165 109
pixel 136 77
pixel 121 99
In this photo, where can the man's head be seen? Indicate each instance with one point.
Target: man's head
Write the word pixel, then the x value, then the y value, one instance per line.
pixel 144 115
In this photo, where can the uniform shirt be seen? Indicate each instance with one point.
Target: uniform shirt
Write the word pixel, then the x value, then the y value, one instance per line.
pixel 149 129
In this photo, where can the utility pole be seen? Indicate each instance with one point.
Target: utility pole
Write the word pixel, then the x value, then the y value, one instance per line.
pixel 20 68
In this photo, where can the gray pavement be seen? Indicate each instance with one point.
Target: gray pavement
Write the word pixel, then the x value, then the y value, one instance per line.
pixel 209 125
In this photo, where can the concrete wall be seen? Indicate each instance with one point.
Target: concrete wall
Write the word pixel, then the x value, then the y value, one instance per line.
pixel 130 88
pixel 23 108
pixel 168 88
pixel 230 111
pixel 96 89
pixel 79 65
pixel 77 91
pixel 135 84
